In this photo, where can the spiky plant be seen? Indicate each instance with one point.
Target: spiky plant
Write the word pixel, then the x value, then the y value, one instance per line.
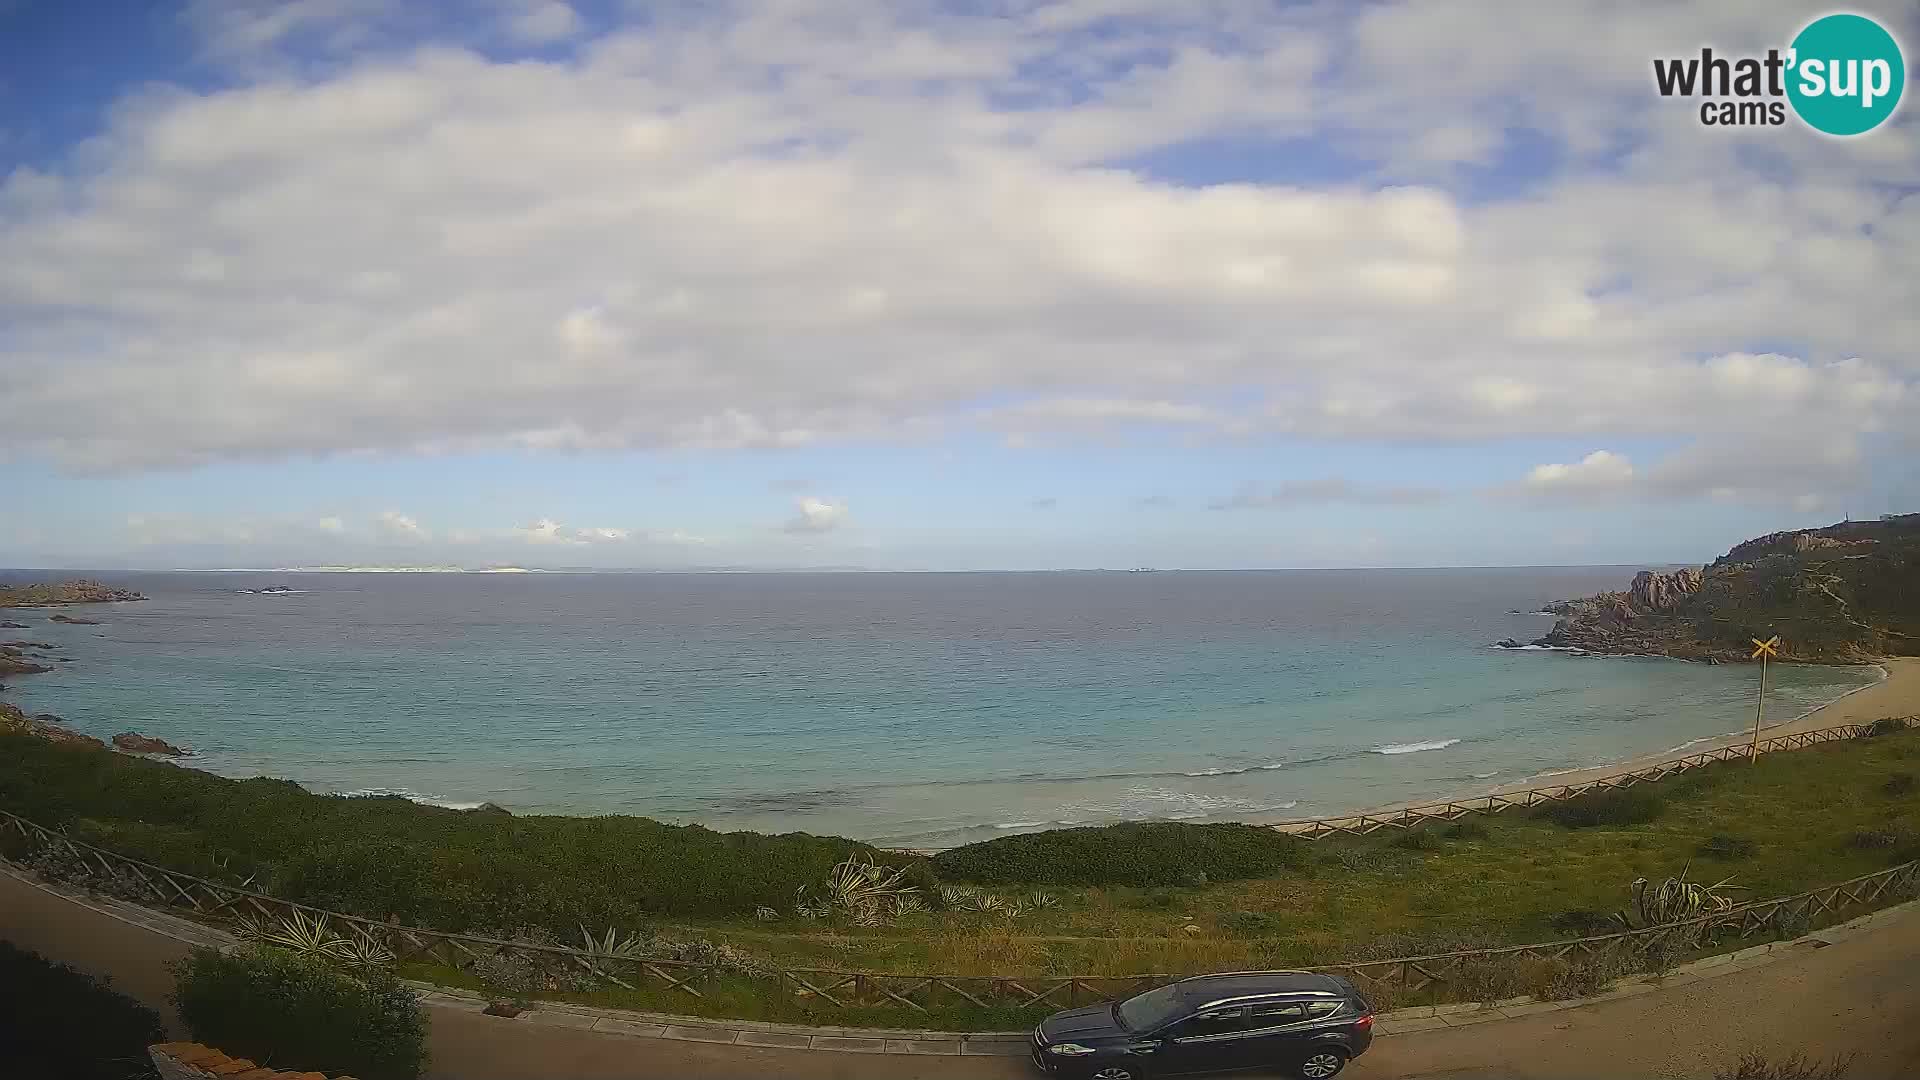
pixel 1040 901
pixel 766 914
pixel 308 935
pixel 1677 899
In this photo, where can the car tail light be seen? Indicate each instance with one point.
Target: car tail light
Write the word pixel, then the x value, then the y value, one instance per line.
pixel 1364 1023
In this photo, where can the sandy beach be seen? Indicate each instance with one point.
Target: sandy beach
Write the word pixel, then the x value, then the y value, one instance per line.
pixel 1896 695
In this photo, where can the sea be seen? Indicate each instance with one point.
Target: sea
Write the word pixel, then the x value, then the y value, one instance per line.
pixel 913 709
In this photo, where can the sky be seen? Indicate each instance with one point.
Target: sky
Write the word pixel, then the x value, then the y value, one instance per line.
pixel 991 284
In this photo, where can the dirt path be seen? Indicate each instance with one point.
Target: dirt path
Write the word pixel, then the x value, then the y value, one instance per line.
pixel 1860 994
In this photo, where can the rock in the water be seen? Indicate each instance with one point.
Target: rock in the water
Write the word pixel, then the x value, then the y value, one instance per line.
pixel 27 645
pixel 13 626
pixel 492 808
pixel 49 718
pixel 1507 643
pixel 13 663
pixel 71 621
pixel 135 743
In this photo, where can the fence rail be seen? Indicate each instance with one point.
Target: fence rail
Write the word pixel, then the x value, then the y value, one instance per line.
pixel 60 857
pixel 1411 817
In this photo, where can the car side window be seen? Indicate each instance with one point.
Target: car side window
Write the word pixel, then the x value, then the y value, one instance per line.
pixel 1319 1009
pixel 1275 1013
pixel 1213 1022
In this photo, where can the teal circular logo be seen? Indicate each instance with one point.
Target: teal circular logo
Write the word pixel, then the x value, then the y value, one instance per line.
pixel 1846 74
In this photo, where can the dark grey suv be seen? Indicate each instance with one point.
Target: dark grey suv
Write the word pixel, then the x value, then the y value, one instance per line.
pixel 1312 1024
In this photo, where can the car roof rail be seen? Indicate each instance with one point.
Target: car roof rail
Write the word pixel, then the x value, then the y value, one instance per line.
pixel 1244 974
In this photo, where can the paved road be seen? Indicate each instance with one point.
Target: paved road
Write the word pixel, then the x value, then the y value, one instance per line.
pixel 1861 994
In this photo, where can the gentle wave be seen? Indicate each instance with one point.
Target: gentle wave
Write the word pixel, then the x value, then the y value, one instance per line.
pixel 1414 747
pixel 1486 775
pixel 1535 648
pixel 410 796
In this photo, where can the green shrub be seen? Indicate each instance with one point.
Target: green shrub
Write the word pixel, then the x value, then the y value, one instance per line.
pixel 1875 839
pixel 1584 923
pixel 1613 806
pixel 1900 783
pixel 1466 828
pixel 1252 924
pixel 55 1021
pixel 385 856
pixel 1136 853
pixel 1423 839
pixel 289 1012
pixel 1719 846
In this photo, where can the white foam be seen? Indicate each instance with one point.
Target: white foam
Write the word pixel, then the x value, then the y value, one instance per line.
pixel 1021 825
pixel 1486 775
pixel 412 796
pixel 1414 747
pixel 1534 648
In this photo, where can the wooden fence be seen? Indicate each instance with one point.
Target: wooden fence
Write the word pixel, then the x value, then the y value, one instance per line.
pixel 1415 816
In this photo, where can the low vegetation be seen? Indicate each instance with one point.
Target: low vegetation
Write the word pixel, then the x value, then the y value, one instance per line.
pixel 55 1021
pixel 1135 854
pixel 1759 1067
pixel 1162 897
pixel 303 1012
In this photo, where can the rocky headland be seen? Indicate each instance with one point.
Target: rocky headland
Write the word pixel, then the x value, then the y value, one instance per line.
pixel 1843 594
pixel 64 593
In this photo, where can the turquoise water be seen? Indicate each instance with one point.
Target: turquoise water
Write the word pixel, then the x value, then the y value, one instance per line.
pixel 922 709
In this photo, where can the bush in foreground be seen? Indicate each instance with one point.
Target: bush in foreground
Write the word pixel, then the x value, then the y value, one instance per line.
pixel 289 1012
pixel 1757 1067
pixel 55 1021
pixel 1133 854
pixel 1614 806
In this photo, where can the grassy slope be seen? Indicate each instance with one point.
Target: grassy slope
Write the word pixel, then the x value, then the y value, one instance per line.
pixel 1517 882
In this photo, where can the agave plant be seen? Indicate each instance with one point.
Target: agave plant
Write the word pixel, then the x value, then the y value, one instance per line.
pixel 308 935
pixel 957 896
pixel 611 946
pixel 1040 901
pixel 363 952
pixel 865 892
pixel 1676 899
pixel 905 904
pixel 766 914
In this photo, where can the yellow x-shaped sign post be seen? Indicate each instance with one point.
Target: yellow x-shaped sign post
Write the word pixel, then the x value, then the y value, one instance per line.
pixel 1761 651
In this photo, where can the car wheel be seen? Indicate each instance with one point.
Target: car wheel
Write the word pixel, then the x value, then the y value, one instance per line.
pixel 1113 1072
pixel 1321 1064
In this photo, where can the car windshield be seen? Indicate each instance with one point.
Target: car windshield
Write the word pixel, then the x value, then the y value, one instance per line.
pixel 1151 1009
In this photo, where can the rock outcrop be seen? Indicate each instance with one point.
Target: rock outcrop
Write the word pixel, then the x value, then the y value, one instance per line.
pixel 13 720
pixel 135 743
pixel 1842 594
pixel 492 808
pixel 12 625
pixel 72 621
pixel 14 662
pixel 63 593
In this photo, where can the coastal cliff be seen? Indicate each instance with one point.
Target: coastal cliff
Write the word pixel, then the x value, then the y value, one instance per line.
pixel 1843 594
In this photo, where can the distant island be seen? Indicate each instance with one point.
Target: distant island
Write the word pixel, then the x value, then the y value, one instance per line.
pixel 1843 594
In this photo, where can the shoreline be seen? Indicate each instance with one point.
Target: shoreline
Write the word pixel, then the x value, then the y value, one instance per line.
pixel 1896 694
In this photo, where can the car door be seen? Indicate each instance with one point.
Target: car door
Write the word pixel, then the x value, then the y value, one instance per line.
pixel 1271 1035
pixel 1204 1042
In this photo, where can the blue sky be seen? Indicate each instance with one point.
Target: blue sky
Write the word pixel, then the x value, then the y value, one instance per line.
pixel 986 285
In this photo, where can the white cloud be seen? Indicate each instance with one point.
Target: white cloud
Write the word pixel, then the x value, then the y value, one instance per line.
pixel 393 525
pixel 788 225
pixel 815 515
pixel 548 531
pixel 332 525
pixel 1600 472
